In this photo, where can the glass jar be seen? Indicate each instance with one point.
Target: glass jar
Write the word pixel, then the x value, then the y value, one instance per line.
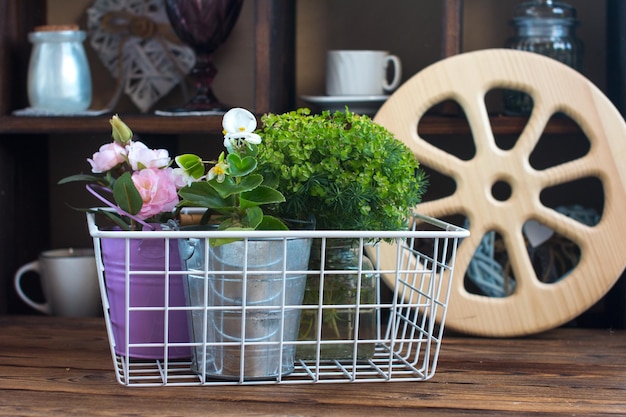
pixel 545 27
pixel 59 80
pixel 341 290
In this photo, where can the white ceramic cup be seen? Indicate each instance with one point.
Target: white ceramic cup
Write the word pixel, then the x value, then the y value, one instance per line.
pixel 360 73
pixel 69 280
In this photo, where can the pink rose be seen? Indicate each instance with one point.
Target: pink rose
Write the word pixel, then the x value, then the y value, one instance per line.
pixel 107 158
pixel 140 156
pixel 157 189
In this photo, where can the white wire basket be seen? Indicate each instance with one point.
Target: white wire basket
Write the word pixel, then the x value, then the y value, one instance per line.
pixel 228 330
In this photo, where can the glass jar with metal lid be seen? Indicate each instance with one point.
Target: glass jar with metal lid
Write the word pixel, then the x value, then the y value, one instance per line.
pixel 546 27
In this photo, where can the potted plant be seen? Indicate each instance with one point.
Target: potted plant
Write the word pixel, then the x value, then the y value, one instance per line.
pixel 351 174
pixel 231 189
pixel 235 194
pixel 139 188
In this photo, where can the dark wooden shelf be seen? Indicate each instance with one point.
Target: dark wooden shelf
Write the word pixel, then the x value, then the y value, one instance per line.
pixel 178 125
pixel 501 125
pixel 142 124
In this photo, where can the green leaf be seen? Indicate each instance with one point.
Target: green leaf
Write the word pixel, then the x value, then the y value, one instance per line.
pixel 272 223
pixel 126 194
pixel 80 177
pixel 192 164
pixel 203 194
pixel 240 167
pixel 270 180
pixel 229 186
pixel 219 241
pixel 252 218
pixel 116 218
pixel 260 195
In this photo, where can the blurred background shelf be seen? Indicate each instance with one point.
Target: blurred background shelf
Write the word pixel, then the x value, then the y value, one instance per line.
pixel 181 125
pixel 278 56
pixel 144 124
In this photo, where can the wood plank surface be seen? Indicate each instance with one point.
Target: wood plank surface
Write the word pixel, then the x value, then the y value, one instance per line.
pixel 62 367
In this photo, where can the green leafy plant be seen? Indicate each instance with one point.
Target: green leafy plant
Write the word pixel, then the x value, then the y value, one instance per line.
pixel 350 174
pixel 343 168
pixel 232 190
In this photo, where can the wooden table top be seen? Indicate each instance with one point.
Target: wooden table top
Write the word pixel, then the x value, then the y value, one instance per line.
pixel 59 366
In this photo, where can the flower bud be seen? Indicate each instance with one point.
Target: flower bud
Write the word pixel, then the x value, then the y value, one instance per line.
pixel 121 133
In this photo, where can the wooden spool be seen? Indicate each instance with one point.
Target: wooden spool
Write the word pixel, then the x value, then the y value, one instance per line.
pixel 555 88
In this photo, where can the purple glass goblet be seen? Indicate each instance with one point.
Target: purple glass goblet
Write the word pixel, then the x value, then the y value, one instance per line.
pixel 203 25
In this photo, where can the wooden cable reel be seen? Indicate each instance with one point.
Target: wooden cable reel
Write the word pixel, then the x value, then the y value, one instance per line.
pixel 555 88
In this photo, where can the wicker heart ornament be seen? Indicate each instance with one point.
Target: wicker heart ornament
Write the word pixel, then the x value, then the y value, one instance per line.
pixel 135 42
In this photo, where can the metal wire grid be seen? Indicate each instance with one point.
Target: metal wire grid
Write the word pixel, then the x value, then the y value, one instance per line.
pixel 409 327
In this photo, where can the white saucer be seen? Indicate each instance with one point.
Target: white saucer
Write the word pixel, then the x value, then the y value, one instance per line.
pixel 358 104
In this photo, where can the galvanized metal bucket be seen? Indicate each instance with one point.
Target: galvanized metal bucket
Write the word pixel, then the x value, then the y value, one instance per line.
pixel 241 317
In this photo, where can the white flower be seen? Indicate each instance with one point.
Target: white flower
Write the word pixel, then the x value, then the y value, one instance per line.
pixel 219 170
pixel 181 178
pixel 239 125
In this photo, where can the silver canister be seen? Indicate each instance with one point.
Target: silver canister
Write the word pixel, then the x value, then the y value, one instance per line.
pixel 59 79
pixel 244 320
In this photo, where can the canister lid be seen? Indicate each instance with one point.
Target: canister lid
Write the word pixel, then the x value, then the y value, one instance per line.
pixel 545 9
pixel 55 28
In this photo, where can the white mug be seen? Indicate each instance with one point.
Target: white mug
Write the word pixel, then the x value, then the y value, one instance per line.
pixel 360 73
pixel 69 280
